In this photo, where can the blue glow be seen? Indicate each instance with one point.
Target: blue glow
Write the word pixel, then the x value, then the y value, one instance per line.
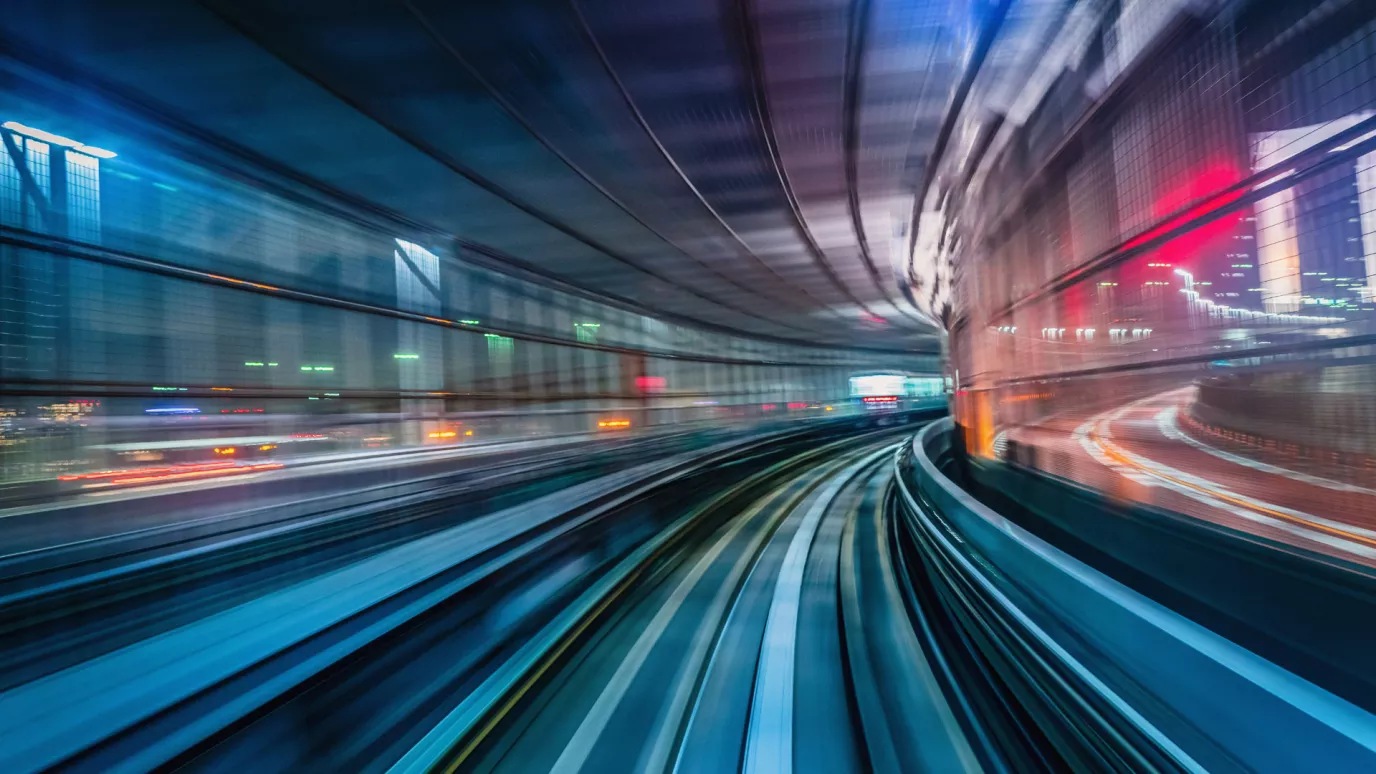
pixel 57 139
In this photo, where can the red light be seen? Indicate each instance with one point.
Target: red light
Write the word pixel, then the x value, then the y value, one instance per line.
pixel 1213 190
pixel 172 473
pixel 650 383
pixel 179 476
pixel 796 406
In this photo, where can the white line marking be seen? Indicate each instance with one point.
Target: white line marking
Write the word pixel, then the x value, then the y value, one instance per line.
pixel 580 745
pixel 1162 473
pixel 769 739
pixel 1168 423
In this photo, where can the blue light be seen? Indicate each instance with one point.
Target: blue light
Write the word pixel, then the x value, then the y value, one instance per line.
pixel 57 139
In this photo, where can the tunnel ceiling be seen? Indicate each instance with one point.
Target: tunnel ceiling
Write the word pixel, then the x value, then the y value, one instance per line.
pixel 748 165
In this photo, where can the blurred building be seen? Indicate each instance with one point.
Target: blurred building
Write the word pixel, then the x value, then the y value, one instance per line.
pixel 176 299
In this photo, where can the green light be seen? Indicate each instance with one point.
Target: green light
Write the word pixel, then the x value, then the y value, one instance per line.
pixel 272 365
pixel 332 395
pixel 324 368
pixel 253 364
pixel 471 322
pixel 307 368
pixel 406 356
pixel 169 389
pixel 586 331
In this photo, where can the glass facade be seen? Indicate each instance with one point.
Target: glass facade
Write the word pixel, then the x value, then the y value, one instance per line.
pixel 154 305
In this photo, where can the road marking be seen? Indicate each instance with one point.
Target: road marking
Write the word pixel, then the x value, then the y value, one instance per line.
pixel 1167 422
pixel 1097 431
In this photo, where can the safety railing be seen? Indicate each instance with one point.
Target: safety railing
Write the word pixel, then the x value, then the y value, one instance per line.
pixel 1104 676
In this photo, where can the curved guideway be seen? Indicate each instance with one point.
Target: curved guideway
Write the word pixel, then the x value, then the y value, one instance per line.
pixel 736 652
pixel 640 605
pixel 74 601
pixel 1067 668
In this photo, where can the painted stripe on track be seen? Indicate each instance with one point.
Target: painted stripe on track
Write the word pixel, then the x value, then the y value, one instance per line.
pixel 769 739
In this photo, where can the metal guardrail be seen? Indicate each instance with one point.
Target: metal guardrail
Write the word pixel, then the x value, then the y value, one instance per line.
pixel 1308 612
pixel 1109 678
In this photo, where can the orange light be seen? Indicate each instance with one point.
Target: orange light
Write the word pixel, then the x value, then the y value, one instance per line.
pixel 222 389
pixel 175 473
pixel 1027 397
pixel 225 450
pixel 468 433
pixel 267 447
pixel 613 424
pixel 1118 455
pixel 108 474
pixel 258 285
pixel 169 477
pixel 443 434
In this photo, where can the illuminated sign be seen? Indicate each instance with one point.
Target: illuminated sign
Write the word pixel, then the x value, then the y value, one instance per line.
pixel 613 424
pixel 877 384
pixel 650 383
pixel 924 386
